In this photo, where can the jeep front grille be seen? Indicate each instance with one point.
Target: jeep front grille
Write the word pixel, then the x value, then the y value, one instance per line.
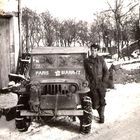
pixel 55 89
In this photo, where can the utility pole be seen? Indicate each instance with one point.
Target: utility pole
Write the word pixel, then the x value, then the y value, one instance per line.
pixel 20 36
pixel 139 16
pixel 139 29
pixel 19 26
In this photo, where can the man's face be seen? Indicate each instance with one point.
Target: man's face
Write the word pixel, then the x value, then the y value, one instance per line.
pixel 94 52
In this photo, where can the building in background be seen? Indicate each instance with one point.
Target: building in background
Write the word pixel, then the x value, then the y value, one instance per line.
pixel 9 39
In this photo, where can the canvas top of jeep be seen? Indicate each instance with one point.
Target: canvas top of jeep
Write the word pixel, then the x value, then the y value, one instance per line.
pixel 57 63
pixel 59 50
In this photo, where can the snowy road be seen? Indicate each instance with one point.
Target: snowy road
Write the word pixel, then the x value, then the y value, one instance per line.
pixel 122 115
pixel 128 129
pixel 122 121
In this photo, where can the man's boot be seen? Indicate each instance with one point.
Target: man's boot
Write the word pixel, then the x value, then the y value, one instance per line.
pixel 101 114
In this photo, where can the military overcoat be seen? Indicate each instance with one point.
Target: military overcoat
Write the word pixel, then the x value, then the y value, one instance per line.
pixel 96 71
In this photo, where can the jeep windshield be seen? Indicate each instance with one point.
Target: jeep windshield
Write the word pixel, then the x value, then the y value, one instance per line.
pixel 56 65
pixel 57 61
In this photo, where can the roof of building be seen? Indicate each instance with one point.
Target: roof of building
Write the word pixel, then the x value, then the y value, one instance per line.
pixel 7 14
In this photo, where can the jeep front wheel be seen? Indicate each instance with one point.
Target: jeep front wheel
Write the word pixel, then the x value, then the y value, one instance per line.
pixel 22 123
pixel 86 119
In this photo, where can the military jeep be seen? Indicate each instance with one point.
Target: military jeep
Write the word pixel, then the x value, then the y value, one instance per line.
pixel 57 87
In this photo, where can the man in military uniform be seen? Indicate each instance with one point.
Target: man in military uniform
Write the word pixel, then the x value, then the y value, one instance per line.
pixel 97 75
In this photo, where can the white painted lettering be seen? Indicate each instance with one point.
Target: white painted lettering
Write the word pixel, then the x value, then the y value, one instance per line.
pixel 41 73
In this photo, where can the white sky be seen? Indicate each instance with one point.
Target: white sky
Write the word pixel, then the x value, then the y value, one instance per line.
pixel 65 9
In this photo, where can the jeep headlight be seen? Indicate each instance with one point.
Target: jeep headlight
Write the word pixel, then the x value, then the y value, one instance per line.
pixel 72 88
pixel 85 84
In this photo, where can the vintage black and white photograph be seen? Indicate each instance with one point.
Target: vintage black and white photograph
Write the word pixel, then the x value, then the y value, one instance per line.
pixel 69 69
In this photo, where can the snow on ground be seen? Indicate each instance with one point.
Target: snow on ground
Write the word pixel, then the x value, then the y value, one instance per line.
pixel 8 100
pixel 127 64
pixel 131 66
pixel 121 102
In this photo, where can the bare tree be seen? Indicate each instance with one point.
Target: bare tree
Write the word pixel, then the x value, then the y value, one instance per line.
pixel 82 33
pixel 104 28
pixel 67 32
pixel 31 29
pixel 120 17
pixel 57 26
pixel 48 29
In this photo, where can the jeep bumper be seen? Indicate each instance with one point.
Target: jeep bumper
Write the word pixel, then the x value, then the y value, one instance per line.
pixel 53 113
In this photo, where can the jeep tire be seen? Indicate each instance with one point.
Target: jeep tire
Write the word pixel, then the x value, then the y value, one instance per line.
pixel 22 123
pixel 86 119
